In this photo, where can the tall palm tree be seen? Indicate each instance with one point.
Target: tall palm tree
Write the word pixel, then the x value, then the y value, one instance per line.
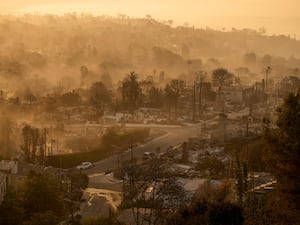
pixel 131 91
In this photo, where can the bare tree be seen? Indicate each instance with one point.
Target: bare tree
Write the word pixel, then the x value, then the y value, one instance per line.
pixel 33 140
pixel 173 91
pixel 200 76
pixel 151 192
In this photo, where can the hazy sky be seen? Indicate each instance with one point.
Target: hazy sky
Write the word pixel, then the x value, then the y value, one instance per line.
pixel 277 16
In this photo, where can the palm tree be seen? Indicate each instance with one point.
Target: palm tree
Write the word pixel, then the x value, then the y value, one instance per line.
pixel 131 91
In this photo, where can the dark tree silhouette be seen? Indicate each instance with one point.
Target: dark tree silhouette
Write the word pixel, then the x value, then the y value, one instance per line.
pixel 220 76
pixel 173 91
pixel 100 96
pixel 71 99
pixel 283 147
pixel 131 92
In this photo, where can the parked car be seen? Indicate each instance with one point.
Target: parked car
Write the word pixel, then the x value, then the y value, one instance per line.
pixel 84 166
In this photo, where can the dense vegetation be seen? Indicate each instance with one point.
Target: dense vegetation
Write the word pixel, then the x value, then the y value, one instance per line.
pixel 42 199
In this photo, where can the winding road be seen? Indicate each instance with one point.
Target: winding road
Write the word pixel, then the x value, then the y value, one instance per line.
pixel 104 191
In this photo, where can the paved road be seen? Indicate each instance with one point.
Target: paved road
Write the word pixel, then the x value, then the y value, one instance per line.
pixel 173 137
pixel 104 191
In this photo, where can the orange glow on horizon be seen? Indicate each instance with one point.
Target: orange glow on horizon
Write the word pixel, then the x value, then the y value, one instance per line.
pixel 277 16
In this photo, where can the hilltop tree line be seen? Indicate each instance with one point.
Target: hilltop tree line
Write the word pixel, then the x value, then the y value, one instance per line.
pixel 45 62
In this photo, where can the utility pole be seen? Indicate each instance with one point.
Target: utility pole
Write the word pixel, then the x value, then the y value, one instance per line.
pixel 268 72
pixel 131 151
pixel 247 132
pixel 224 119
pixel 194 101
pixel 224 126
pixel 200 94
pixel 6 131
pixel 249 117
pixel 119 161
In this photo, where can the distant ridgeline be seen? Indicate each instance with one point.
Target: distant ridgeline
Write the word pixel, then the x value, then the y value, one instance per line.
pixel 35 43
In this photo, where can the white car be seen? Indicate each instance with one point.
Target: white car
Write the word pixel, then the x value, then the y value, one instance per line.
pixel 85 165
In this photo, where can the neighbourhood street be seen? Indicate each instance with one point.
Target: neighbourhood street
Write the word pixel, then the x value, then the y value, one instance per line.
pixel 104 191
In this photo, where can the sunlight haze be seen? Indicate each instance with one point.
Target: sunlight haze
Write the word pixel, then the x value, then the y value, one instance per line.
pixel 277 16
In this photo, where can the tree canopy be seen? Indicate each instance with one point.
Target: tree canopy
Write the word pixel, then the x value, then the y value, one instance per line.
pixel 283 146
